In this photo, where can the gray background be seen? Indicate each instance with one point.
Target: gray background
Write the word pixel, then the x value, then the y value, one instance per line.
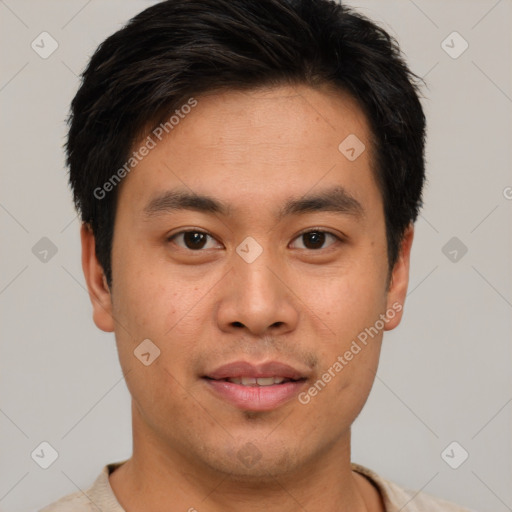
pixel 445 372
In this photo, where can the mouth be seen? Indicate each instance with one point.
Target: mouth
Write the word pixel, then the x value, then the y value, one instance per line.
pixel 258 381
pixel 252 387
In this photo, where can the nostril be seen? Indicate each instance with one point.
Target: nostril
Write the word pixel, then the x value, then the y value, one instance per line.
pixel 238 324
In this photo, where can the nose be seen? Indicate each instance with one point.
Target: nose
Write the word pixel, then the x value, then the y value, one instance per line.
pixel 258 298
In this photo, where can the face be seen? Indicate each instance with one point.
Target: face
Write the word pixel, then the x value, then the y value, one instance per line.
pixel 251 251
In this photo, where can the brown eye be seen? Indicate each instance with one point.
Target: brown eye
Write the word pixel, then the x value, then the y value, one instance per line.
pixel 192 240
pixel 315 240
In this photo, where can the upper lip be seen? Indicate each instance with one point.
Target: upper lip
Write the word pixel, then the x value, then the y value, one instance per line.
pixel 246 369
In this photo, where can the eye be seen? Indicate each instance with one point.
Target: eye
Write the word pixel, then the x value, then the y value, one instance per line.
pixel 315 239
pixel 194 239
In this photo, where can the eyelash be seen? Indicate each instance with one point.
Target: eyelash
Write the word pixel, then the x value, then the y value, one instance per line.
pixel 337 238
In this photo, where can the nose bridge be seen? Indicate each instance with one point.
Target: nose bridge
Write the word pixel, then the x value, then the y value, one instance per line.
pixel 257 289
pixel 256 298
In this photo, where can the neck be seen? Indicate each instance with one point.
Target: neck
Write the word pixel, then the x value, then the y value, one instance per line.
pixel 158 476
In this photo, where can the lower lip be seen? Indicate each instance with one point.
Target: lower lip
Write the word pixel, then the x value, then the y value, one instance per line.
pixel 255 398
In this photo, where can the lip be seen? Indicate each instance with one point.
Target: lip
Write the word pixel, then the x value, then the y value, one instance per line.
pixel 255 398
pixel 246 369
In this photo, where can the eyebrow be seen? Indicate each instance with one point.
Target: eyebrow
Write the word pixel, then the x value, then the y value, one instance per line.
pixel 335 199
pixel 173 200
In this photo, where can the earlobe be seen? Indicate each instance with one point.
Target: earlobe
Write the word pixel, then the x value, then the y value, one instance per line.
pixel 99 292
pixel 399 281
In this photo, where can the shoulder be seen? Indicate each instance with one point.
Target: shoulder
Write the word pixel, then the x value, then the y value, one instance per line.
pixel 99 496
pixel 77 501
pixel 423 502
pixel 407 500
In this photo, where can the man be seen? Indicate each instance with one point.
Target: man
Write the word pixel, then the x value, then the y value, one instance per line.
pixel 248 176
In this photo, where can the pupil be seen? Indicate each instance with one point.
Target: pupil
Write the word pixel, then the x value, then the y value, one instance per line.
pixel 317 239
pixel 194 240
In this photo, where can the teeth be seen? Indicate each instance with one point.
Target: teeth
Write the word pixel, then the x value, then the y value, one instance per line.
pixel 260 381
pixel 265 381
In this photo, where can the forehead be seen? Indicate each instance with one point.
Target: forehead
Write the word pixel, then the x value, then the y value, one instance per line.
pixel 280 118
pixel 256 146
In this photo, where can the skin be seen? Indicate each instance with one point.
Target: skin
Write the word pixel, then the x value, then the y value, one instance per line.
pixel 253 150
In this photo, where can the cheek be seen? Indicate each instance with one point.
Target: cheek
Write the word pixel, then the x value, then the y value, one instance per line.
pixel 344 381
pixel 160 396
pixel 147 296
pixel 151 301
pixel 349 303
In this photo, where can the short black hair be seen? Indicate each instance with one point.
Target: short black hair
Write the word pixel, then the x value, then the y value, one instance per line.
pixel 178 49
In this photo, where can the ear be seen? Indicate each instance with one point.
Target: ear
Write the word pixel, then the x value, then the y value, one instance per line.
pixel 399 281
pixel 99 291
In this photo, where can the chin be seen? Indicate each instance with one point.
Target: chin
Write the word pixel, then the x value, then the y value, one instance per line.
pixel 246 463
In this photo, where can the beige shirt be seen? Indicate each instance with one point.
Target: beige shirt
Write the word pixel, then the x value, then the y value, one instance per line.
pixel 101 497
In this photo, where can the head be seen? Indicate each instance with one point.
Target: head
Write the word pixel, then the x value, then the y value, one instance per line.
pixel 294 123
